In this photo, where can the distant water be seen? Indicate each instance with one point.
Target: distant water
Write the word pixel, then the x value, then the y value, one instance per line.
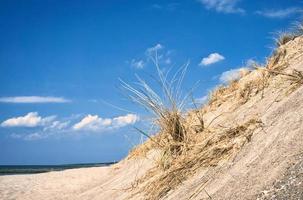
pixel 33 169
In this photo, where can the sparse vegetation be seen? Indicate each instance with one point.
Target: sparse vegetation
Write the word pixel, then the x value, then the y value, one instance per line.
pixel 217 145
pixel 167 108
pixel 185 150
pixel 283 38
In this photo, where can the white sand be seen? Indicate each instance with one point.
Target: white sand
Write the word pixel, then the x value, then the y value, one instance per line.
pixel 84 183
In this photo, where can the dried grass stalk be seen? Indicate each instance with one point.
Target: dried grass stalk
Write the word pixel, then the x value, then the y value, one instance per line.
pixel 219 145
pixel 166 107
pixel 284 38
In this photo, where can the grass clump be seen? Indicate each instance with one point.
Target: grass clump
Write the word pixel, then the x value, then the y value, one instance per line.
pixel 167 108
pixel 217 145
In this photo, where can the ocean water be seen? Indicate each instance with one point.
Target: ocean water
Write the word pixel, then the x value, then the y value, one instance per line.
pixel 33 169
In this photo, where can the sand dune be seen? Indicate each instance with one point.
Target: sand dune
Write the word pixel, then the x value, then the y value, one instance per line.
pixel 260 166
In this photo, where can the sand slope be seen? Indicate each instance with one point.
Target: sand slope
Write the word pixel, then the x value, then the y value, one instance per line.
pixel 270 154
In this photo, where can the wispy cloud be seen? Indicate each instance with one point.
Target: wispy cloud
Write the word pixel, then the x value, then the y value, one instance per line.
pixel 211 59
pixel 233 74
pixel 168 7
pixel 31 119
pixel 223 6
pixel 34 99
pixel 29 137
pixel 34 136
pixel 159 51
pixel 154 49
pixel 139 64
pixel 280 13
pixel 57 126
pixel 96 123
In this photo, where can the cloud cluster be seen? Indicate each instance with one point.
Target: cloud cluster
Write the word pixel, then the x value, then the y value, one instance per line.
pixel 33 99
pixel 31 119
pixel 211 59
pixel 96 123
pixel 222 6
pixel 280 13
pixel 43 127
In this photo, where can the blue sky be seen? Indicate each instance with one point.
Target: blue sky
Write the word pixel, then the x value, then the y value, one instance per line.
pixel 60 64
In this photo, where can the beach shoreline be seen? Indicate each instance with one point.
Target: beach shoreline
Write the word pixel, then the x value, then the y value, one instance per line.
pixel 37 169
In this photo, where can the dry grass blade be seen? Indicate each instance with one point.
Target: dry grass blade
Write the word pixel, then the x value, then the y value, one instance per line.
pixel 283 38
pixel 220 145
pixel 167 108
pixel 298 28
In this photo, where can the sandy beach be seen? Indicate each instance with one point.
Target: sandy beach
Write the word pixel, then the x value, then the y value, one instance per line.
pixel 84 183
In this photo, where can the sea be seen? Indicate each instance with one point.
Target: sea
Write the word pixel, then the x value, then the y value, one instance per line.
pixel 34 169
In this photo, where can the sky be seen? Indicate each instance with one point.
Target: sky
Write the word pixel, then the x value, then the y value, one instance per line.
pixel 61 61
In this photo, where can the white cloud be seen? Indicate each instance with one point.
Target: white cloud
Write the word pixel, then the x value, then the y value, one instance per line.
pixel 139 64
pixel 92 122
pixel 31 119
pixel 57 125
pixel 211 59
pixel 154 53
pixel 154 49
pixel 33 99
pixel 233 74
pixel 125 120
pixel 45 127
pixel 30 136
pixel 33 136
pixel 16 136
pixel 96 123
pixel 223 6
pixel 280 13
pixel 168 7
pixel 157 53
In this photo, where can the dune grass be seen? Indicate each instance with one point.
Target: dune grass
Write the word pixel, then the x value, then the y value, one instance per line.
pixel 184 151
pixel 166 106
pixel 283 38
